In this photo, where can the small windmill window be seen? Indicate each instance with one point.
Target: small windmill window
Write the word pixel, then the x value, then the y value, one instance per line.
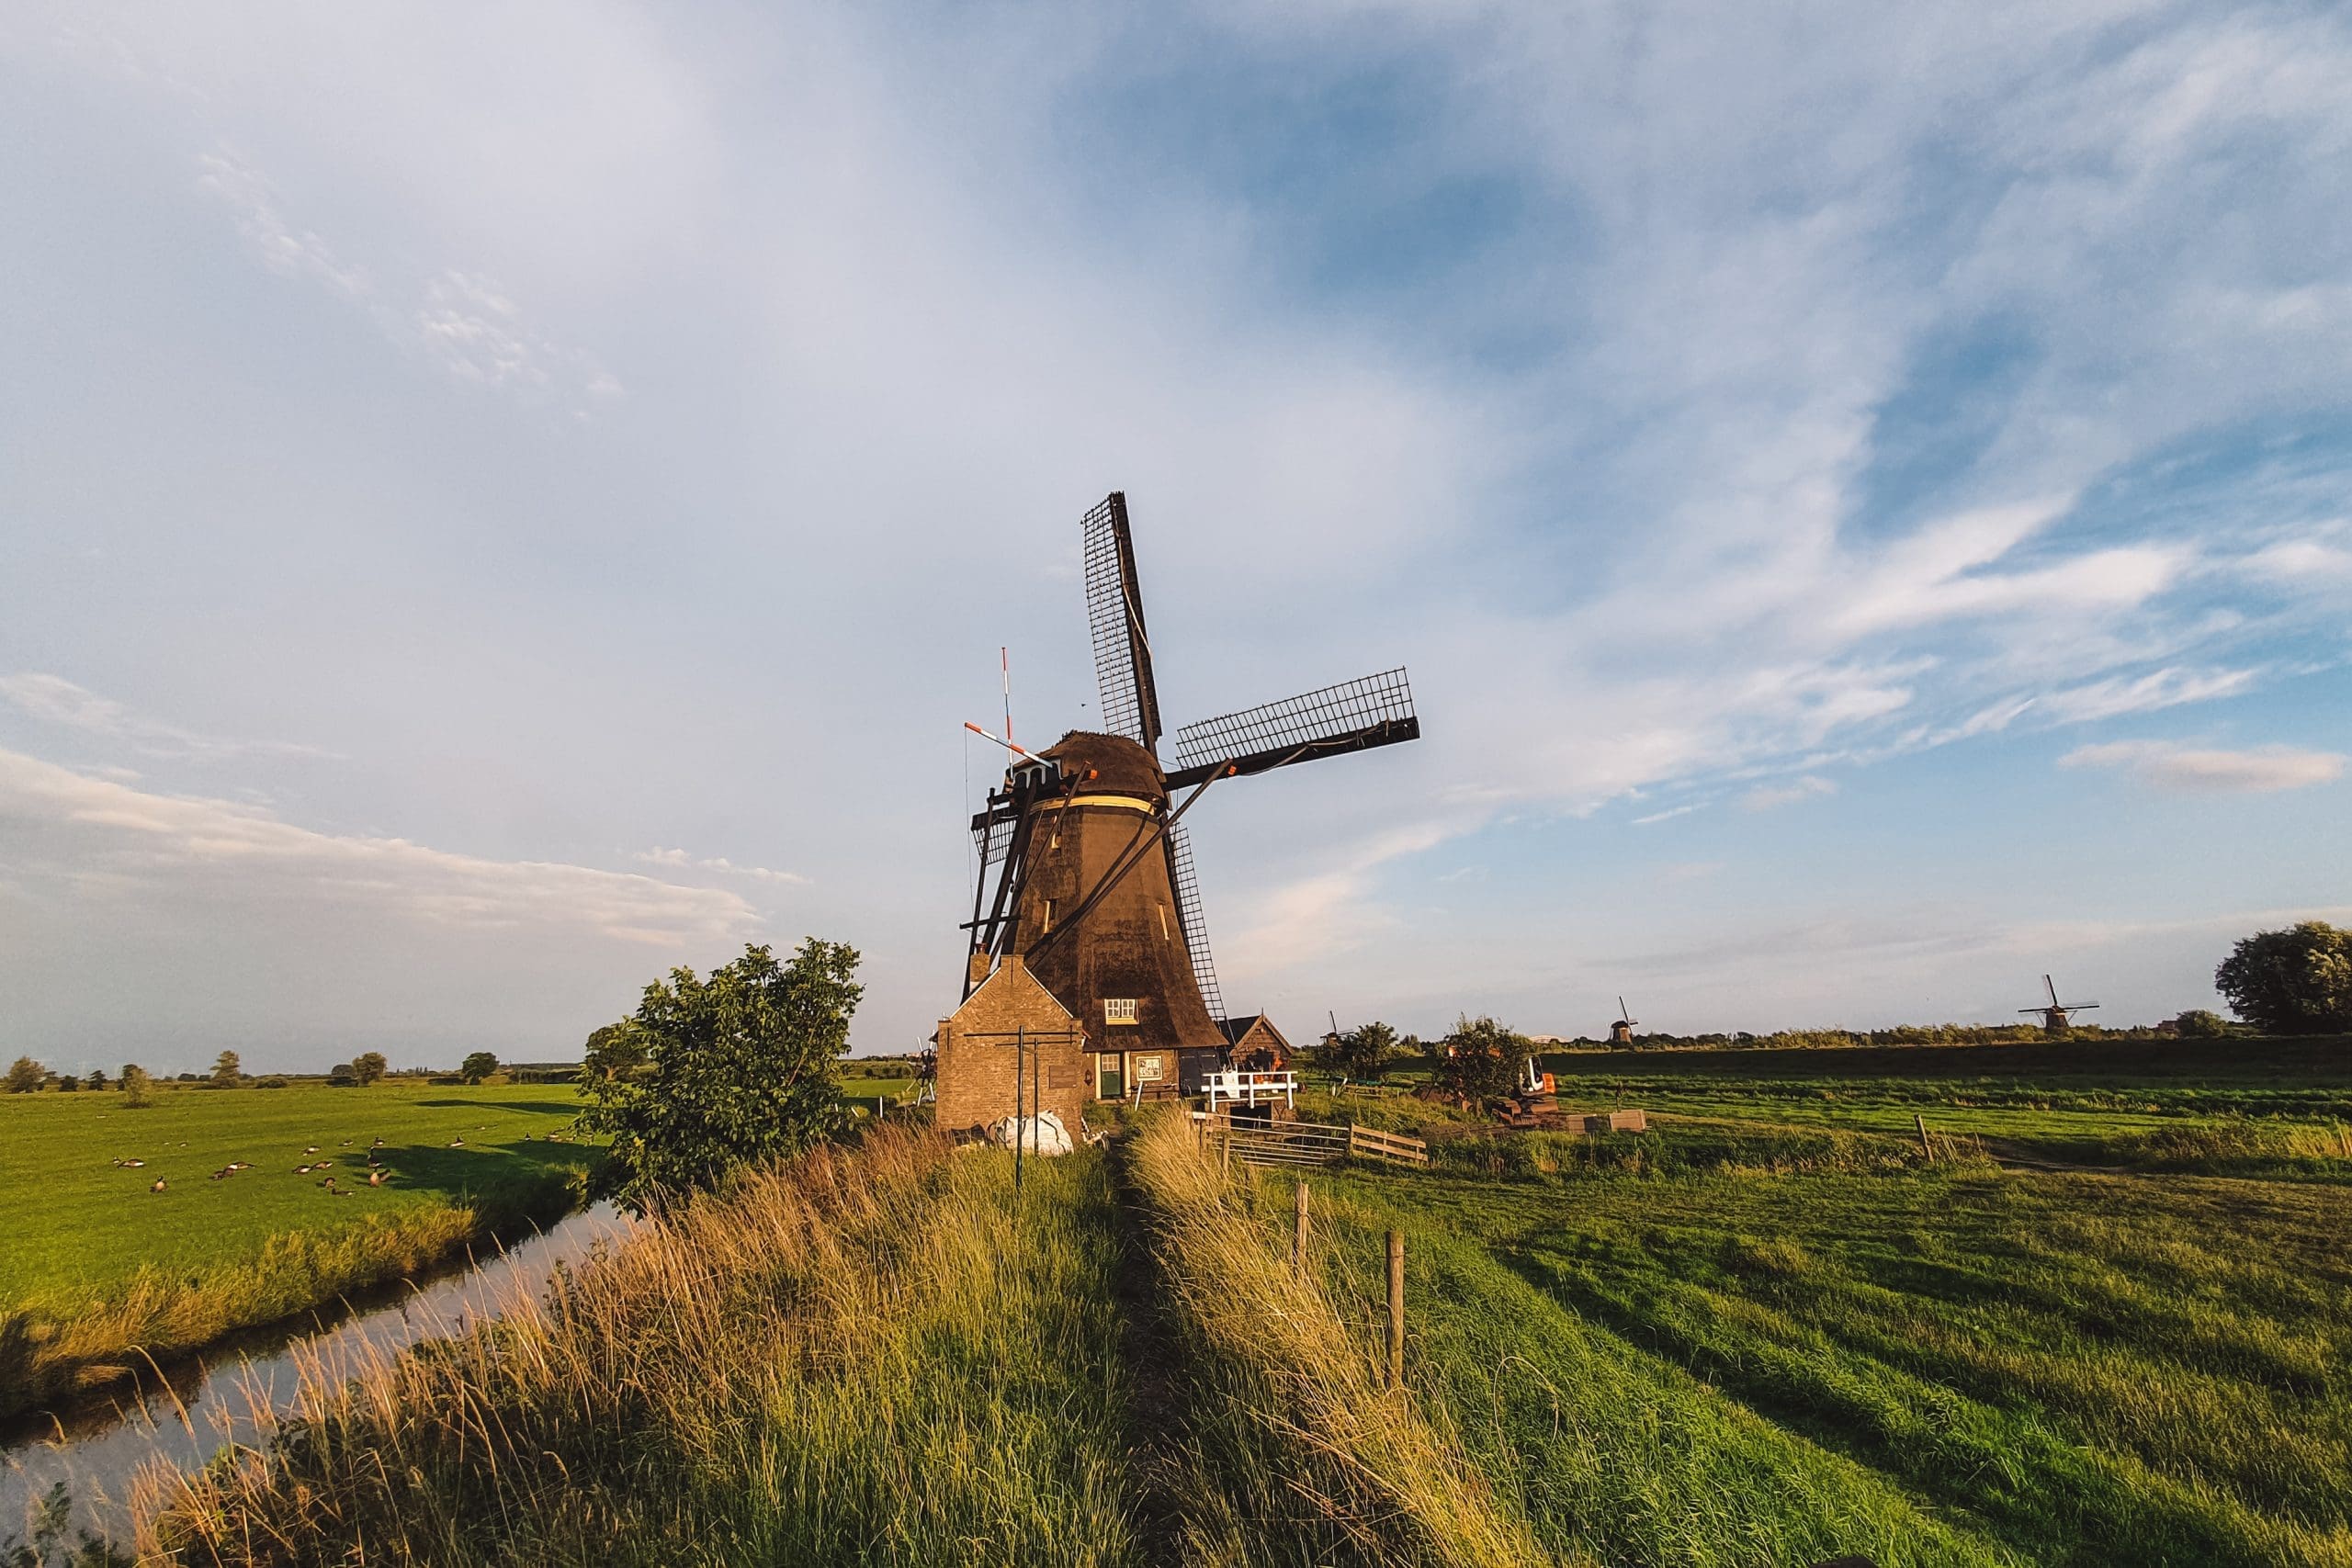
pixel 1118 1010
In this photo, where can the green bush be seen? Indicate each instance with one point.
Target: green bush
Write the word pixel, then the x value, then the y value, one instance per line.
pixel 2298 981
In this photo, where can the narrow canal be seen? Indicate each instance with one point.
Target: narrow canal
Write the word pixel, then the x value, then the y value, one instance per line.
pixel 100 1449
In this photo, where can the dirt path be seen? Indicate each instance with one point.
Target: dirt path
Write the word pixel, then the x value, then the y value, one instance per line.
pixel 1156 1395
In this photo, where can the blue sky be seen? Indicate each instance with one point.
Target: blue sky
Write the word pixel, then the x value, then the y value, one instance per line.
pixel 499 499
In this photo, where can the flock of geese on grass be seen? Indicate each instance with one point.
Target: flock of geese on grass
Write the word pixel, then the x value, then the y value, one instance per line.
pixel 379 1173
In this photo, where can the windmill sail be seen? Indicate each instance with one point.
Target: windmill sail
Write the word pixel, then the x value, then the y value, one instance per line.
pixel 1114 619
pixel 1354 715
pixel 1188 910
pixel 993 834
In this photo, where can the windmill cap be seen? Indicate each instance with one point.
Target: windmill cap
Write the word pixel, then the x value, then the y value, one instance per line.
pixel 1117 764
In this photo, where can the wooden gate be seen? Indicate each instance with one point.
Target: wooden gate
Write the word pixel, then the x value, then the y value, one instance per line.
pixel 1314 1143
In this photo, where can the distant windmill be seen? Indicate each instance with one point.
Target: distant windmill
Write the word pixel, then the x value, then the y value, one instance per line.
pixel 2054 1017
pixel 1622 1032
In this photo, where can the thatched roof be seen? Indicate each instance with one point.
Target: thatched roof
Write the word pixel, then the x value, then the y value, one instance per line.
pixel 1119 766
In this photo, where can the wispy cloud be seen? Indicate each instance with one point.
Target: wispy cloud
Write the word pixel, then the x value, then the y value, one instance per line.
pixel 461 321
pixel 54 700
pixel 2166 688
pixel 97 838
pixel 1768 797
pixel 2263 770
pixel 1667 815
pixel 720 863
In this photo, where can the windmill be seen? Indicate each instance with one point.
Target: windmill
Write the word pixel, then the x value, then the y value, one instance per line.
pixel 1086 873
pixel 1622 1032
pixel 2054 1016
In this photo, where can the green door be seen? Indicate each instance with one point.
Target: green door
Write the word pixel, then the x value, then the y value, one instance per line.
pixel 1110 1078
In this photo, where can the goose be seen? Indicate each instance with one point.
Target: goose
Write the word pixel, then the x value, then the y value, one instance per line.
pixel 302 1170
pixel 158 1187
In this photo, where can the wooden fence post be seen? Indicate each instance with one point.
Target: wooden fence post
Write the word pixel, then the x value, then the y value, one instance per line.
pixel 1298 1236
pixel 1395 1309
pixel 1925 1147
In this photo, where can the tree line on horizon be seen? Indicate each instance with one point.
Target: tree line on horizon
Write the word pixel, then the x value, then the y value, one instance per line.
pixel 28 1076
pixel 2296 982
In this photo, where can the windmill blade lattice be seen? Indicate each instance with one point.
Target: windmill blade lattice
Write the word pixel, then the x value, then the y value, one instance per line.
pixel 995 837
pixel 1188 913
pixel 1373 710
pixel 1115 620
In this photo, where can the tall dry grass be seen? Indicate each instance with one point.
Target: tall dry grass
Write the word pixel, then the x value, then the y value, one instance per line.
pixel 51 1351
pixel 872 1355
pixel 1298 1451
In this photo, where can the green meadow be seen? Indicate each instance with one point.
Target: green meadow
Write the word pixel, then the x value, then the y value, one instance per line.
pixel 1927 1363
pixel 1719 1344
pixel 1772 1330
pixel 82 1224
pixel 98 1266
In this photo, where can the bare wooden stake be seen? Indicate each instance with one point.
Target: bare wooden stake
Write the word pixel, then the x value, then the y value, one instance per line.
pixel 1298 1236
pixel 1395 1309
pixel 1925 1147
pixel 1225 1153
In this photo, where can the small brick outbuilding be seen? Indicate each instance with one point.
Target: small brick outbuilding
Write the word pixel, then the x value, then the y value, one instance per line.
pixel 1009 1019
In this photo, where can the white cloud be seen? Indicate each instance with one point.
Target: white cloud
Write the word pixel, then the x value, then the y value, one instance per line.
pixel 2163 689
pixel 2263 770
pixel 461 321
pixel 2319 559
pixel 1665 816
pixel 97 838
pixel 282 247
pixel 1767 797
pixel 52 699
pixel 721 864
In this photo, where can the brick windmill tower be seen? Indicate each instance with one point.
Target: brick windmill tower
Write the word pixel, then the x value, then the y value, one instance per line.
pixel 1088 960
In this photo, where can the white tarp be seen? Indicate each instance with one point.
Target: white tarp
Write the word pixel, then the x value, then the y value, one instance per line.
pixel 1042 1135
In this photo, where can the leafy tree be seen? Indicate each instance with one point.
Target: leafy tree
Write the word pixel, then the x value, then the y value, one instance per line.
pixel 227 1070
pixel 97 1080
pixel 1482 1059
pixel 2201 1023
pixel 67 1083
pixel 369 1067
pixel 2298 981
pixel 739 1067
pixel 1361 1053
pixel 615 1051
pixel 478 1066
pixel 27 1075
pixel 138 1088
pixel 343 1074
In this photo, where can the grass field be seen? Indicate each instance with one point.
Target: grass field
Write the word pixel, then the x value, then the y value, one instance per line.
pixel 1770 1332
pixel 95 1264
pixel 874 1356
